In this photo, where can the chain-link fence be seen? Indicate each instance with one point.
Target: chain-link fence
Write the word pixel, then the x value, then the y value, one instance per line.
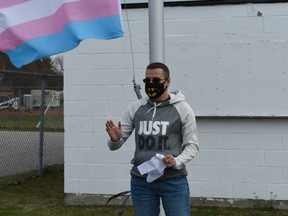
pixel 31 124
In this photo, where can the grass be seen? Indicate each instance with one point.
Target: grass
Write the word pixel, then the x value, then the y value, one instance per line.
pixel 44 196
pixel 27 120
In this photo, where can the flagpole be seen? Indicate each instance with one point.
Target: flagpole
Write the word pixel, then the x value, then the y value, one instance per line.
pixel 156 40
pixel 156 30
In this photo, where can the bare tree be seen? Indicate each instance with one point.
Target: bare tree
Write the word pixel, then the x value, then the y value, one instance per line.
pixel 58 63
pixel 42 66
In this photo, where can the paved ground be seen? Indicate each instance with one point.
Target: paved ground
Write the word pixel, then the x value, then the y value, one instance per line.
pixel 19 150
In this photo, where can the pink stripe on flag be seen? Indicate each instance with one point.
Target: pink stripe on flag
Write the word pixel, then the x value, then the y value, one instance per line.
pixel 9 3
pixel 68 12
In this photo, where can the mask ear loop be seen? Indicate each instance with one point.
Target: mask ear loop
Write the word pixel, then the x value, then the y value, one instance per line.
pixel 136 86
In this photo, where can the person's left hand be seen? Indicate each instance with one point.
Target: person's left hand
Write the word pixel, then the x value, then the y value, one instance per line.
pixel 169 161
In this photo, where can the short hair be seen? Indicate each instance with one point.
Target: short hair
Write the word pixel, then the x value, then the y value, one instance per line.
pixel 161 65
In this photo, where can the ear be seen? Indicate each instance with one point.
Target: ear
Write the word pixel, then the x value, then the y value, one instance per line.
pixel 168 81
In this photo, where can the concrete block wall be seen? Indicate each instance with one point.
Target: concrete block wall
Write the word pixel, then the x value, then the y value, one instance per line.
pixel 240 158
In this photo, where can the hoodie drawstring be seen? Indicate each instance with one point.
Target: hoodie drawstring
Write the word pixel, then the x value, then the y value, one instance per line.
pixel 154 107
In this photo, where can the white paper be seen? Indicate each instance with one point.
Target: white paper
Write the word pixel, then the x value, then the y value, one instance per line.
pixel 154 167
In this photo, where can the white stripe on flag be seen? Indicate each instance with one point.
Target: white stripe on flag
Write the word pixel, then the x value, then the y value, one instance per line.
pixel 29 11
pixel 5 3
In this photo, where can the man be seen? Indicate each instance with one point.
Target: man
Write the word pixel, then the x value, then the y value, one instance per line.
pixel 165 124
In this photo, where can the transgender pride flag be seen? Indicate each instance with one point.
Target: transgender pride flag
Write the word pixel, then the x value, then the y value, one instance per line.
pixel 34 29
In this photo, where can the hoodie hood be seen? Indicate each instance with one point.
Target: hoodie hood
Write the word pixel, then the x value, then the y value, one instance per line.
pixel 176 96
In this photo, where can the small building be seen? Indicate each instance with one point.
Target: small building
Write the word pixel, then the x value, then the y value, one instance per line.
pixel 53 98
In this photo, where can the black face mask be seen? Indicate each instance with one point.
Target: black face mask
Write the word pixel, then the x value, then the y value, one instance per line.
pixel 154 90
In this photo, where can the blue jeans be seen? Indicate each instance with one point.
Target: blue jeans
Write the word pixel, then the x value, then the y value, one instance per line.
pixel 174 193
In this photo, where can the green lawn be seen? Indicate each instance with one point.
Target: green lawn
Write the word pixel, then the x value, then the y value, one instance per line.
pixel 28 120
pixel 44 196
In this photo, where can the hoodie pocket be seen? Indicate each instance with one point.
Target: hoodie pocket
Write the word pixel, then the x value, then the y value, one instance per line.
pixel 142 156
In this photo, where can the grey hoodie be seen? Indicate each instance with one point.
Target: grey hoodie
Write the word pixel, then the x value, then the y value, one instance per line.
pixel 167 127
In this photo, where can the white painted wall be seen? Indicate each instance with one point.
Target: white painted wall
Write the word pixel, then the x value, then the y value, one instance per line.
pixel 240 158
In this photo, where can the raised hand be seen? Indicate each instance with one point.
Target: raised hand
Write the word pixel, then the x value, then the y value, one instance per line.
pixel 115 132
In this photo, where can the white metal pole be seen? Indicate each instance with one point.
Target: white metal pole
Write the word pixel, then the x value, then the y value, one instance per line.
pixel 156 40
pixel 156 30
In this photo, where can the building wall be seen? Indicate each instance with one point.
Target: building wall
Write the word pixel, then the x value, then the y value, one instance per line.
pixel 241 157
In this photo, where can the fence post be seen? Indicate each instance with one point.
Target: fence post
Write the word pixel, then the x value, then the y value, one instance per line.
pixel 41 143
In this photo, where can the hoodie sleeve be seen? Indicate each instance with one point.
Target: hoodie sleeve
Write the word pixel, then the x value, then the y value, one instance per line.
pixel 190 135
